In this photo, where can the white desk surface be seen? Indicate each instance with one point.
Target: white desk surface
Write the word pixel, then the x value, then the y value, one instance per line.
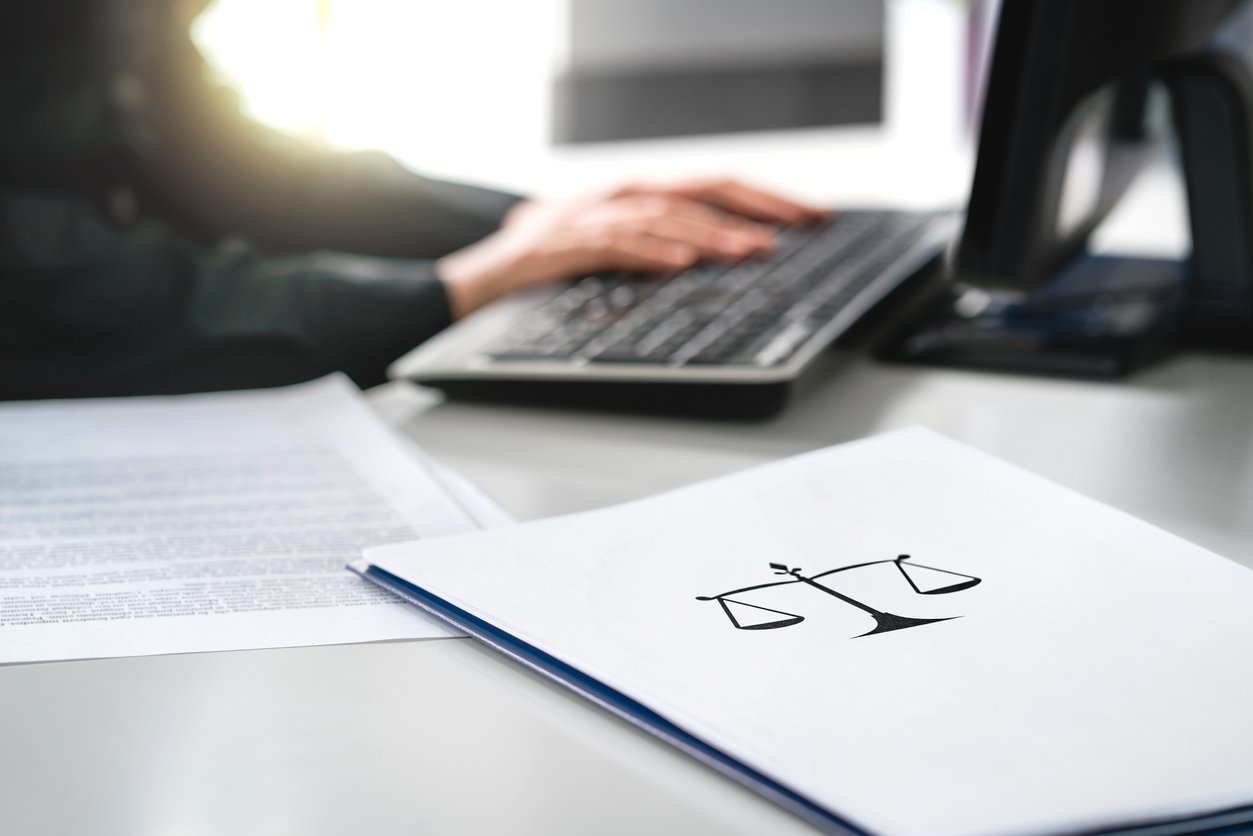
pixel 443 736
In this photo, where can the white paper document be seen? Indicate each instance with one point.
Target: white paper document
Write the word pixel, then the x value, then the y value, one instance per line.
pixel 1038 662
pixel 209 522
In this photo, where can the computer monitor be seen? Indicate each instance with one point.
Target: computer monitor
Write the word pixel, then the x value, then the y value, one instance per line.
pixel 1053 156
pixel 1060 140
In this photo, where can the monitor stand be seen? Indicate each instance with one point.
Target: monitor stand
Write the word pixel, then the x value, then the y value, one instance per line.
pixel 1106 316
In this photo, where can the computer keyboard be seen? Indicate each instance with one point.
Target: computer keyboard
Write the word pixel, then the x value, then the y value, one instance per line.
pixel 754 313
pixel 719 339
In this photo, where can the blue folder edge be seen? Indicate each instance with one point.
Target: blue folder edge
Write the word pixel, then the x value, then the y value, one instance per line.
pixel 1231 821
pixel 606 697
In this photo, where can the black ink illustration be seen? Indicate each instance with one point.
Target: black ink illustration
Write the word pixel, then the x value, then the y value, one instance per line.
pixel 924 580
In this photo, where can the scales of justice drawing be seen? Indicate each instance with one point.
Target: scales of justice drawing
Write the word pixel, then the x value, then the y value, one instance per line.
pixel 924 580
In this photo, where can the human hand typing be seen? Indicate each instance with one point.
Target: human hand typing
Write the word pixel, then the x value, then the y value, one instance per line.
pixel 641 227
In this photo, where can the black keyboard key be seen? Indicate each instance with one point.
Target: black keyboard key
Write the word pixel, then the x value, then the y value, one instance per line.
pixel 721 353
pixel 655 345
pixel 631 354
pixel 782 344
pixel 532 352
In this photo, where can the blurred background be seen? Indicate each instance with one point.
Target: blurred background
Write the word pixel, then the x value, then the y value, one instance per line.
pixel 475 88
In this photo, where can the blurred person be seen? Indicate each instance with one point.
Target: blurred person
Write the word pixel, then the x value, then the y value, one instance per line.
pixel 154 240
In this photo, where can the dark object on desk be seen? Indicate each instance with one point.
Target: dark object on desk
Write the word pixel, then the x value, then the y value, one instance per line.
pixel 1101 317
pixel 718 340
pixel 1061 139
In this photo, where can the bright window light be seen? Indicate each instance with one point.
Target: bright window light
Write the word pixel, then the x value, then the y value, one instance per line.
pixel 443 86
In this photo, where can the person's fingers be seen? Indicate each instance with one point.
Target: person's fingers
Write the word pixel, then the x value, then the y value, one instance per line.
pixel 745 200
pixel 637 251
pixel 756 203
pixel 717 234
pixel 714 237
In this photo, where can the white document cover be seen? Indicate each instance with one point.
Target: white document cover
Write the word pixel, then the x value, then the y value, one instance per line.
pixel 1038 663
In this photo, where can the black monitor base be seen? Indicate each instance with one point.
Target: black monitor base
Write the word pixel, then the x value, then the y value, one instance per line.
pixel 1102 317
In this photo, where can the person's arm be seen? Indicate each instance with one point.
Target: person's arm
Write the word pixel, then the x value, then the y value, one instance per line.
pixel 90 310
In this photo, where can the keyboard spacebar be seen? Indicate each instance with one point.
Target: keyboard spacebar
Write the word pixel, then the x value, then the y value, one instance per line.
pixel 629 356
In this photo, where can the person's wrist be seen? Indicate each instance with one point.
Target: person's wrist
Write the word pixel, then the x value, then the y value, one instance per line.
pixel 471 280
pixel 516 212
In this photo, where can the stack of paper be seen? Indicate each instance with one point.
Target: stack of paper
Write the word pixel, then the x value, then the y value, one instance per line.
pixel 1038 663
pixel 209 522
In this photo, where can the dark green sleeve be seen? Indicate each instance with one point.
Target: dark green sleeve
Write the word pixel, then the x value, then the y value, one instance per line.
pixel 90 310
